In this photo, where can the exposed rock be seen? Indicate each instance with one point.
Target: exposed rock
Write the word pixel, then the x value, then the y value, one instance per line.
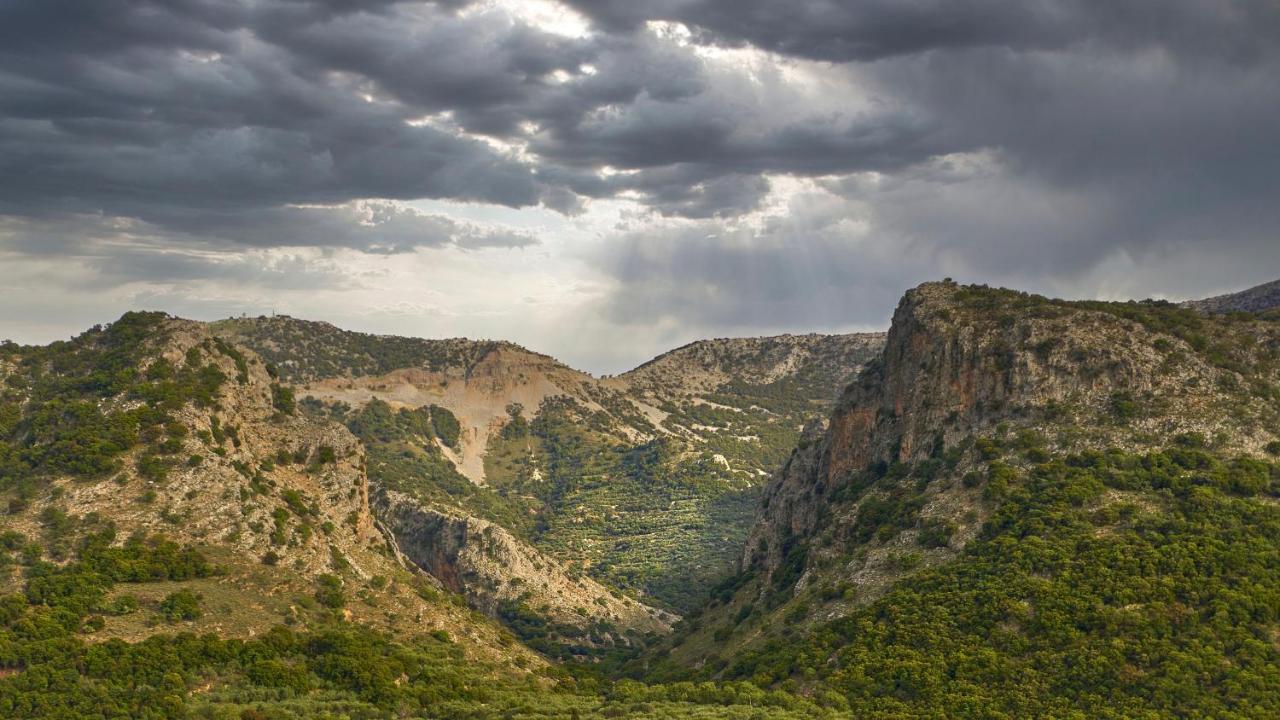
pixel 491 567
pixel 1256 299
pixel 958 361
pixel 249 483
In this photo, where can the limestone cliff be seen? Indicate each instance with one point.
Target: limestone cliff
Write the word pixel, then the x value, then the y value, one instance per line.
pixel 960 361
pixel 498 573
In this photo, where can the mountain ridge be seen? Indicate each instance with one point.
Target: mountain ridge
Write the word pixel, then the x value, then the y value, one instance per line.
pixel 1009 492
pixel 988 408
pixel 703 423
pixel 1259 298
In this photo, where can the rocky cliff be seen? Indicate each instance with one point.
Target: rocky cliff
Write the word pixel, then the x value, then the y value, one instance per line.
pixel 275 497
pixel 502 576
pixel 960 361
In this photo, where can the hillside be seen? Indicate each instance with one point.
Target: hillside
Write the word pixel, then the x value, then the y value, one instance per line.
pixel 1019 489
pixel 1260 298
pixel 183 537
pixel 642 481
pixel 1015 507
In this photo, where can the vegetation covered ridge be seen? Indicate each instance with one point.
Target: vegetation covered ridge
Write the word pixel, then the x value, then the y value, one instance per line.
pixel 1000 433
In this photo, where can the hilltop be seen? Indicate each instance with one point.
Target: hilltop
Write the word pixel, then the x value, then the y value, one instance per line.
pixel 989 505
pixel 155 431
pixel 1260 298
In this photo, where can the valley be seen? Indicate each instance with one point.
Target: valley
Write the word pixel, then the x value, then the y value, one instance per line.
pixel 959 514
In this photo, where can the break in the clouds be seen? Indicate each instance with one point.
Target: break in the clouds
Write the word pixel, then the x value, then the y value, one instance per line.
pixel 601 178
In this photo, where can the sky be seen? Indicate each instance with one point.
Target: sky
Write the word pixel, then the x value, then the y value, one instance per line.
pixel 603 180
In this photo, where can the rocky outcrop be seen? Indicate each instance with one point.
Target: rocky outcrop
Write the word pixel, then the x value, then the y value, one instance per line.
pixel 1256 299
pixel 957 361
pixel 478 394
pixel 228 484
pixel 496 571
pixel 705 365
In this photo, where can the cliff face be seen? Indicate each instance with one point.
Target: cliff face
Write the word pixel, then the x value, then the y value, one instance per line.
pixel 959 361
pixel 497 573
pixel 275 498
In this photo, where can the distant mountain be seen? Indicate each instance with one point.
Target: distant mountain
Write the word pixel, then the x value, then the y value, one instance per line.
pixel 1256 299
pixel 647 480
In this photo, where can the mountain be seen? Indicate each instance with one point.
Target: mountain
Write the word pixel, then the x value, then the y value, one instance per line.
pixel 1255 299
pixel 183 537
pixel 1008 506
pixel 1019 489
pixel 156 433
pixel 643 481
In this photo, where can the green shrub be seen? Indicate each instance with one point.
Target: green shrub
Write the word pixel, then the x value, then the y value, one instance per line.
pixel 181 605
pixel 282 399
pixel 329 592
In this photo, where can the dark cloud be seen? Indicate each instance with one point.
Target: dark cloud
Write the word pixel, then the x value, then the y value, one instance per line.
pixel 863 30
pixel 1078 148
pixel 178 113
pixel 698 191
pixel 808 269
pixel 181 115
pixel 1034 141
pixel 374 227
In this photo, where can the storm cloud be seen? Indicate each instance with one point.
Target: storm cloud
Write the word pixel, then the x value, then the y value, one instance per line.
pixel 709 165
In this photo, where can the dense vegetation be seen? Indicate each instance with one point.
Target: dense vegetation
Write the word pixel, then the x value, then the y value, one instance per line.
pixel 647 517
pixel 52 666
pixel 1105 584
pixel 55 418
pixel 301 351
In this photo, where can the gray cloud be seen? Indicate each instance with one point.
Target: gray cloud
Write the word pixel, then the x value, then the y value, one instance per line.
pixel 160 111
pixel 374 227
pixel 1035 142
pixel 842 31
pixel 181 115
pixel 1081 149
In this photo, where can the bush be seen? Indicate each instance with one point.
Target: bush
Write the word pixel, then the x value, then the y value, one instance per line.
pixel 445 425
pixel 181 605
pixel 329 592
pixel 1123 406
pixel 282 398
